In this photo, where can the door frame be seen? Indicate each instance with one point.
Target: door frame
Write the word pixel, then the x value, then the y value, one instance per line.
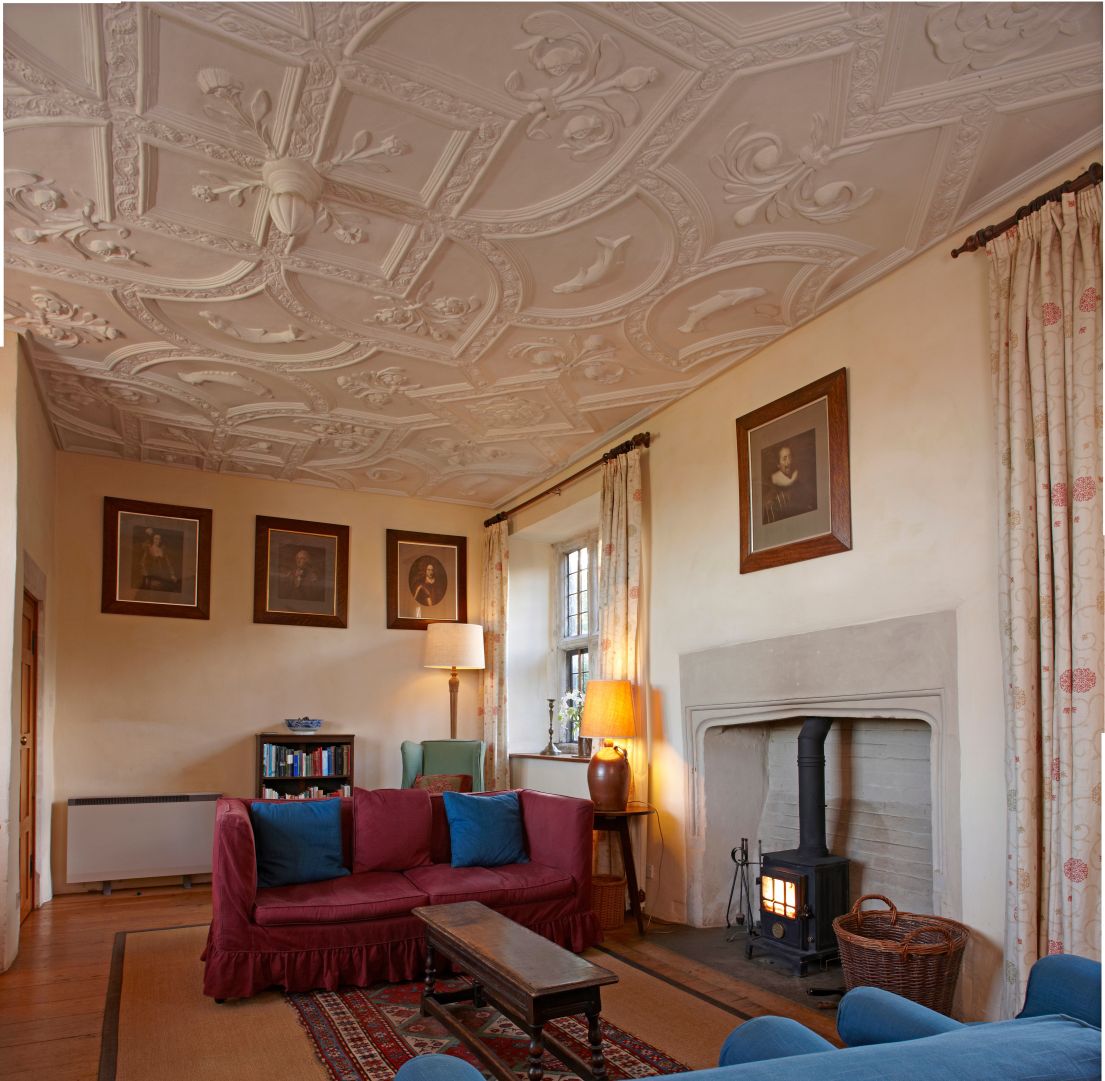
pixel 28 901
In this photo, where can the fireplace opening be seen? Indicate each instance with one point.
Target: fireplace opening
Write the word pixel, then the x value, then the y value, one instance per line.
pixel 879 809
pixel 803 889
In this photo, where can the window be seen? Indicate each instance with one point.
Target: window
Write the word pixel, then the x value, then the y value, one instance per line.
pixel 576 634
pixel 577 592
pixel 577 670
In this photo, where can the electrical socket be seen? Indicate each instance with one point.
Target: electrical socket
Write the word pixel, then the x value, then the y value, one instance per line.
pixel 650 871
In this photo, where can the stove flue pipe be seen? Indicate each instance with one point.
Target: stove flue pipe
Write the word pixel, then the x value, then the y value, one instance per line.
pixel 811 787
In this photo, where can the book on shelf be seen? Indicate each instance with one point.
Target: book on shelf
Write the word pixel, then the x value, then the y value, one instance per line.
pixel 314 792
pixel 281 761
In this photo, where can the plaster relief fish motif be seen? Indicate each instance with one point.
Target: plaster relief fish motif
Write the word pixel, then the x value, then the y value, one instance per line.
pixel 727 298
pixel 611 257
pixel 256 335
pixel 230 379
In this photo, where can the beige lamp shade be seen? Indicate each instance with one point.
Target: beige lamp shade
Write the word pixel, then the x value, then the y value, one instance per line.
pixel 453 645
pixel 608 709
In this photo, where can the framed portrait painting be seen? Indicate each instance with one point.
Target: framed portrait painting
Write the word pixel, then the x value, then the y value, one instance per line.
pixel 427 579
pixel 795 494
pixel 156 559
pixel 300 572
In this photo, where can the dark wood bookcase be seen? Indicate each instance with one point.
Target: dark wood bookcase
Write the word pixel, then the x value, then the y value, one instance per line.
pixel 306 742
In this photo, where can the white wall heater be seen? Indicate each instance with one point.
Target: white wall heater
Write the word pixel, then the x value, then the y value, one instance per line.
pixel 119 837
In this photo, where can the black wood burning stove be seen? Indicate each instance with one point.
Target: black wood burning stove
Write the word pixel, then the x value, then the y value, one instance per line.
pixel 804 889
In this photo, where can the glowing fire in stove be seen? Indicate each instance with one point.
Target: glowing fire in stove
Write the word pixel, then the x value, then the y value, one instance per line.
pixel 779 896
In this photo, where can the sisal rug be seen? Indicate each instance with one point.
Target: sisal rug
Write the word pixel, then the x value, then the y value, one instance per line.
pixel 159 1025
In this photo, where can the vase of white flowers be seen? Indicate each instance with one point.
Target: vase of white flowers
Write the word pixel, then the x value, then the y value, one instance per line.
pixel 571 709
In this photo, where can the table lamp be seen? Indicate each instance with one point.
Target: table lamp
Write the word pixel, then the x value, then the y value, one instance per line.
pixel 608 714
pixel 453 646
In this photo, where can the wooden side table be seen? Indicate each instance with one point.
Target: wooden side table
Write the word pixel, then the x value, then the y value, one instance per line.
pixel 618 822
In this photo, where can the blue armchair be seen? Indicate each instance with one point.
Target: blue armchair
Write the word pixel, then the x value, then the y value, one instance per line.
pixel 1056 1037
pixel 1060 984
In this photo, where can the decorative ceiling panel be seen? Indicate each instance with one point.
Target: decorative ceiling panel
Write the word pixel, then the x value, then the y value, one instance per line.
pixel 445 250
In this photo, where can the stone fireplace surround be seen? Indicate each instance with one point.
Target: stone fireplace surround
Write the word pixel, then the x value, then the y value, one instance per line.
pixel 898 668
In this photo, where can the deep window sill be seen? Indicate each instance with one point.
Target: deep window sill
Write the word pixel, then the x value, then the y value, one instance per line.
pixel 550 757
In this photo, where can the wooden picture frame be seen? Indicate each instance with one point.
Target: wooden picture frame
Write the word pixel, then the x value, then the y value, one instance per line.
pixel 427 579
pixel 300 572
pixel 795 491
pixel 156 559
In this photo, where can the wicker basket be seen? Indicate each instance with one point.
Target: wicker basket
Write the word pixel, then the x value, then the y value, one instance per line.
pixel 912 955
pixel 608 900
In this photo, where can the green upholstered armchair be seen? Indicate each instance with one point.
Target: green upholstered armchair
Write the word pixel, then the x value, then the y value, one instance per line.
pixel 433 756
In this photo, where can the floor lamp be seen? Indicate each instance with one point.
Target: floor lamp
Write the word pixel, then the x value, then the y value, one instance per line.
pixel 453 646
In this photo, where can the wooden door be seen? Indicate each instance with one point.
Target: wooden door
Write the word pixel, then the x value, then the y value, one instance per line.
pixel 27 743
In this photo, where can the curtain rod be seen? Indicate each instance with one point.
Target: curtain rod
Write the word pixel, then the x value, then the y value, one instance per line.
pixel 641 439
pixel 983 237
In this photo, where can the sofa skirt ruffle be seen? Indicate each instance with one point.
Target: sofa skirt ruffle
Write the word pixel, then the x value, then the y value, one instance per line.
pixel 230 973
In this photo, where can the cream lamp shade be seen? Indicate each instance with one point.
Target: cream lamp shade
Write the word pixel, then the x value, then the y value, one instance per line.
pixel 608 713
pixel 607 708
pixel 453 645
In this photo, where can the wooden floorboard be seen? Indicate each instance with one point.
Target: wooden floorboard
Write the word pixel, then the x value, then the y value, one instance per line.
pixel 751 1000
pixel 61 1027
pixel 52 998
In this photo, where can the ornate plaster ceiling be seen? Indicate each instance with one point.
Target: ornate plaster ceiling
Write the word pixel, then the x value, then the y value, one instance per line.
pixel 445 249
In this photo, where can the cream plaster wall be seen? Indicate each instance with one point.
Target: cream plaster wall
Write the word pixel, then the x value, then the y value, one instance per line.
pixel 153 705
pixel 529 682
pixel 924 506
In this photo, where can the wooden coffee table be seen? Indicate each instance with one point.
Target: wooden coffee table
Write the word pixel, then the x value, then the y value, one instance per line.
pixel 528 978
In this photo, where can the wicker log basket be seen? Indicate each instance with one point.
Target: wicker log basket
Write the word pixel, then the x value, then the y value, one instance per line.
pixel 608 900
pixel 913 955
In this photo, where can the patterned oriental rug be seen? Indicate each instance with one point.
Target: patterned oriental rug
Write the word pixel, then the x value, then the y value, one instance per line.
pixel 367 1034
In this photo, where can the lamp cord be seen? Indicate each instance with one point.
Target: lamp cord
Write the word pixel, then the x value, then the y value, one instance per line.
pixel 659 866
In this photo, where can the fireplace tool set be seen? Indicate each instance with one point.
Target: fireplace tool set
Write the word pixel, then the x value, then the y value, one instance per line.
pixel 745 917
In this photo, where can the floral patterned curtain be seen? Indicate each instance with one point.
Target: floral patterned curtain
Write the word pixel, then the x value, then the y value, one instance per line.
pixel 493 682
pixel 619 595
pixel 1045 295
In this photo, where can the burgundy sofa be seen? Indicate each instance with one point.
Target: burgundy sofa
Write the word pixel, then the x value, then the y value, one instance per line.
pixel 358 929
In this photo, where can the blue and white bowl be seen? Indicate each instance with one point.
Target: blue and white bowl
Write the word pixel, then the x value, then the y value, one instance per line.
pixel 303 724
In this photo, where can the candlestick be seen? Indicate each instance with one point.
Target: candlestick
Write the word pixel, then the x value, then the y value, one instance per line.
pixel 550 747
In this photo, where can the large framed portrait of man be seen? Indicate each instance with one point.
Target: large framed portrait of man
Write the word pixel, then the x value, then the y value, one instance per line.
pixel 156 559
pixel 427 579
pixel 795 494
pixel 301 572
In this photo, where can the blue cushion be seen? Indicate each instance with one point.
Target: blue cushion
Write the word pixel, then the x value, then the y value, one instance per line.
pixel 485 831
pixel 297 841
pixel 770 1038
pixel 869 1015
